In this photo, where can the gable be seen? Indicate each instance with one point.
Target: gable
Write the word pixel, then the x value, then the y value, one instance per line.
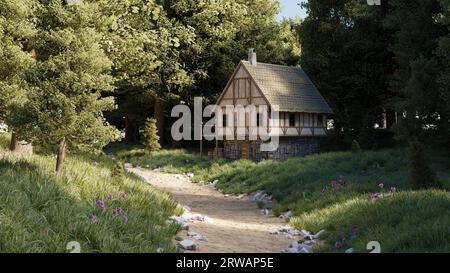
pixel 241 90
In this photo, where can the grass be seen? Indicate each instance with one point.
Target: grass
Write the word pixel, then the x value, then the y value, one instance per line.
pixel 333 191
pixel 42 212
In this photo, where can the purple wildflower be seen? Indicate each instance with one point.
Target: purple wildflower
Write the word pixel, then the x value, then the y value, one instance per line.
pixel 123 195
pixel 355 232
pixel 94 219
pixel 124 218
pixel 117 211
pixel 110 197
pixel 338 245
pixel 376 197
pixel 101 204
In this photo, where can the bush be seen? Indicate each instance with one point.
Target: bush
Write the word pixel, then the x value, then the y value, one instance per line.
pixel 420 174
pixel 151 138
pixel 118 171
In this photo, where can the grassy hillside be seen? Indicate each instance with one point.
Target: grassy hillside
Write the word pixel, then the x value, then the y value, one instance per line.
pixel 363 193
pixel 41 212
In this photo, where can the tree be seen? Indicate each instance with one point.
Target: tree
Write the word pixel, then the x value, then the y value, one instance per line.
pixel 345 52
pixel 420 174
pixel 16 29
pixel 65 104
pixel 151 141
pixel 144 47
pixel 415 81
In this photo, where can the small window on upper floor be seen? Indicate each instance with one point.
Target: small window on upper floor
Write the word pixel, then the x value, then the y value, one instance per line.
pixel 291 120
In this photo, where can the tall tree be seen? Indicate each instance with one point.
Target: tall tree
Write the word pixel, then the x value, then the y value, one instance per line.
pixel 16 30
pixel 144 47
pixel 345 52
pixel 416 33
pixel 65 105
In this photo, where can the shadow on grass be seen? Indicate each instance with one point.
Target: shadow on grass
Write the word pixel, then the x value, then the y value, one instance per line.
pixel 406 222
pixel 42 212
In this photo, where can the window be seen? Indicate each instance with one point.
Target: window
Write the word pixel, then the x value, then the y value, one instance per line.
pixel 320 121
pixel 224 120
pixel 258 120
pixel 291 120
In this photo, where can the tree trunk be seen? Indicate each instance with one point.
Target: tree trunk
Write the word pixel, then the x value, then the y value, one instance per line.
pixel 14 142
pixel 131 129
pixel 61 155
pixel 159 113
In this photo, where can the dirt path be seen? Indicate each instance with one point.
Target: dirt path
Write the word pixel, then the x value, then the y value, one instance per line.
pixel 235 226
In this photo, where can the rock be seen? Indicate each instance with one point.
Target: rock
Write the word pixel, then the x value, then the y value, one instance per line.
pixel 187 245
pixel 261 196
pixel 190 175
pixel 318 234
pixel 184 226
pixel 215 182
pixel 207 220
pixel 160 250
pixel 197 236
pixel 227 195
pixel 305 248
pixel 265 212
pixel 240 196
pixel 128 165
pixel 178 177
pixel 287 215
pixel 349 251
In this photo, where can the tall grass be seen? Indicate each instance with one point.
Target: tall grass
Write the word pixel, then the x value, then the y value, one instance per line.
pixel 42 212
pixel 333 191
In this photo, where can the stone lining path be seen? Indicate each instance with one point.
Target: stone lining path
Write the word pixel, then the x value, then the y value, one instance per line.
pixel 234 225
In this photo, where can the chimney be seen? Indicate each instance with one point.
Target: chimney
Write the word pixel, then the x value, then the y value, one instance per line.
pixel 252 56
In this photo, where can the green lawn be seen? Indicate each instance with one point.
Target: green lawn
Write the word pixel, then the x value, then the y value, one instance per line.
pixel 333 191
pixel 42 212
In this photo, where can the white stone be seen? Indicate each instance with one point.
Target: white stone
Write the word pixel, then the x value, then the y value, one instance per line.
pixel 187 245
pixel 349 251
pixel 160 250
pixel 318 234
pixel 190 175
pixel 128 165
pixel 197 236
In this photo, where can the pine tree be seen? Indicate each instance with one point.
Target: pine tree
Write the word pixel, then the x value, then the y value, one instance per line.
pixel 66 102
pixel 151 141
pixel 420 174
pixel 16 29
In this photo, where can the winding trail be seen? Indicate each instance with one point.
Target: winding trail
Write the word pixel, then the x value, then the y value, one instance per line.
pixel 236 225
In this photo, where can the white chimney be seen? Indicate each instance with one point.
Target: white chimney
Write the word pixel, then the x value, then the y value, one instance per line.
pixel 252 57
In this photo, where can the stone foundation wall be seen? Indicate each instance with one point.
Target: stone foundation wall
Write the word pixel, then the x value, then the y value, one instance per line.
pixel 289 147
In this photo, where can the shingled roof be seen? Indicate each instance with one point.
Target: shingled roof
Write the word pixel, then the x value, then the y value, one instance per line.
pixel 288 87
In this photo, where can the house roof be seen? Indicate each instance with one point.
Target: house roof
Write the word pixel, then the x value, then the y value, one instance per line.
pixel 288 87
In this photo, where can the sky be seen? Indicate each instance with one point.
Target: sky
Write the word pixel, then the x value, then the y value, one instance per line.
pixel 291 9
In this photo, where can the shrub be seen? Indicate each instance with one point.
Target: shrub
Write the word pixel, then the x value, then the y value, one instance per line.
pixel 151 138
pixel 420 174
pixel 118 170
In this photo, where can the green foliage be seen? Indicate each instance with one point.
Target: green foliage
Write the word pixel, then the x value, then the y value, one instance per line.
pixel 151 138
pixel 118 171
pixel 41 212
pixel 420 174
pixel 67 84
pixel 16 30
